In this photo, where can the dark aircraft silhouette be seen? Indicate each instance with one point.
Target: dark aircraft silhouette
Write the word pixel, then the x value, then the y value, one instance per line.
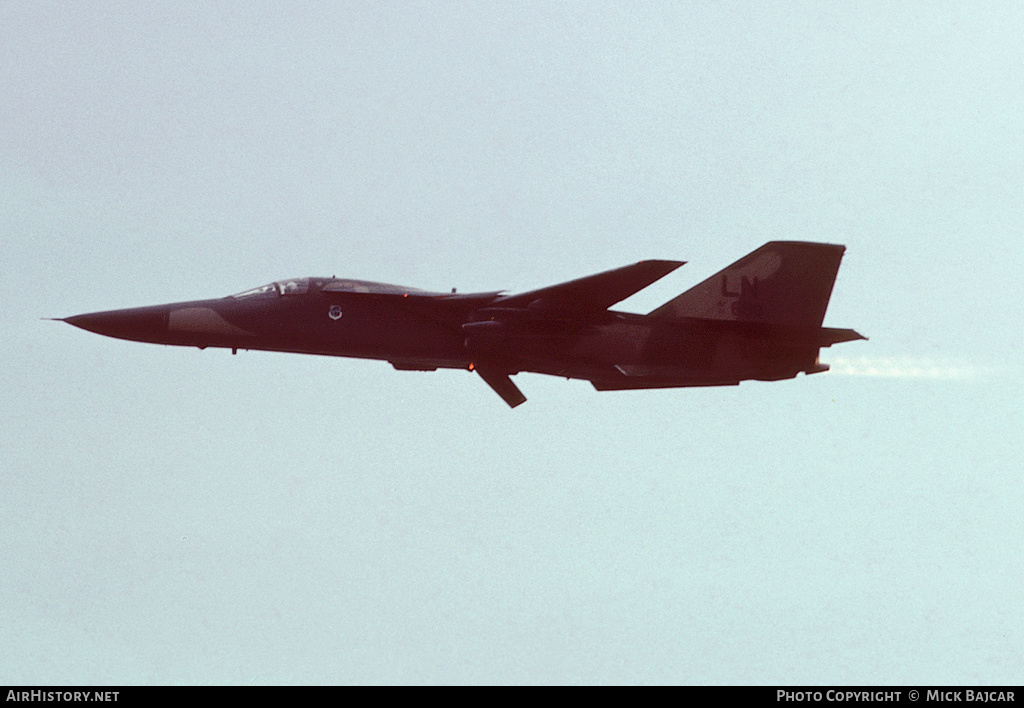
pixel 760 318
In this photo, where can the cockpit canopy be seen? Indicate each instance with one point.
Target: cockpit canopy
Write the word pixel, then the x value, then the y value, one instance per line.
pixel 269 290
pixel 300 286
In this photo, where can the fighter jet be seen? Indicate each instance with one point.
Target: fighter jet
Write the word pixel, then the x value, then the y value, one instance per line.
pixel 759 319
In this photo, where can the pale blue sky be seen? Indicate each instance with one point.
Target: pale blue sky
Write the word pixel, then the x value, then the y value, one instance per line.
pixel 176 516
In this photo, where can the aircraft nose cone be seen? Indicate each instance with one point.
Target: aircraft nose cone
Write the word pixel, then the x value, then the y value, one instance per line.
pixel 143 324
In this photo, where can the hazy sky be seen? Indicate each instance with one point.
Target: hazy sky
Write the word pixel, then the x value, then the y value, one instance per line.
pixel 177 516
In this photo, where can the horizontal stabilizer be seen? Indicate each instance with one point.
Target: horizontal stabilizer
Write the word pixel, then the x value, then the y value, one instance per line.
pixel 502 385
pixel 832 335
pixel 595 292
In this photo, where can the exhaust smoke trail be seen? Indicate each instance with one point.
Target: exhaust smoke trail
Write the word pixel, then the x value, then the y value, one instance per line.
pixel 905 367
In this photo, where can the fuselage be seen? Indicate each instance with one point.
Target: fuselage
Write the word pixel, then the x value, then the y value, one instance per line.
pixel 759 318
pixel 419 330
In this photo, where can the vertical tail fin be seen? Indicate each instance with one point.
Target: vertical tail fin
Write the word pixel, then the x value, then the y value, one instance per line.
pixel 783 282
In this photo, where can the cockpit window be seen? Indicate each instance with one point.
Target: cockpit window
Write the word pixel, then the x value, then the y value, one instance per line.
pixel 264 290
pixel 294 287
pixel 337 285
pixel 346 286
